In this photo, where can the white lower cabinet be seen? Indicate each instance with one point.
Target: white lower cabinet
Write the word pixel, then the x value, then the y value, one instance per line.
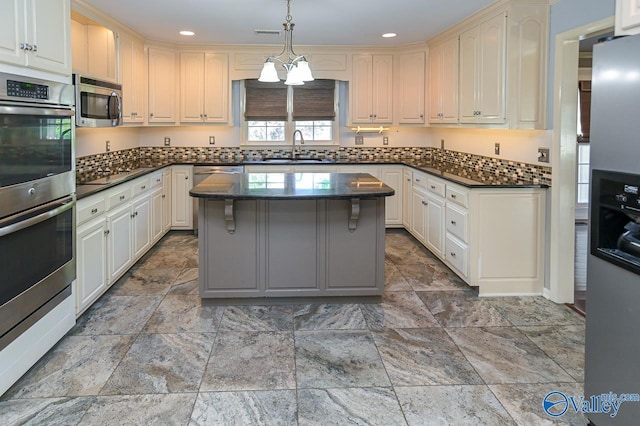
pixel 418 216
pixel 166 200
pixel 392 175
pixel 114 229
pixel 434 238
pixel 456 255
pixel 91 261
pixel 181 203
pixel 407 179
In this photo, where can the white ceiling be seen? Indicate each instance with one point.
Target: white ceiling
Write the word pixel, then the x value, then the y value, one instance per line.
pixel 318 22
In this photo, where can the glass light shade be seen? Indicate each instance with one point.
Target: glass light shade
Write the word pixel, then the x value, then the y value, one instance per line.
pixel 294 77
pixel 304 70
pixel 269 73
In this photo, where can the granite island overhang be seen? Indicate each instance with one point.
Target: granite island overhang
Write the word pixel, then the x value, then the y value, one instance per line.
pixel 283 235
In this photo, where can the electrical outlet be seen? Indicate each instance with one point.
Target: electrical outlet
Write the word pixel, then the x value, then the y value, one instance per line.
pixel 167 141
pixel 543 155
pixel 359 140
pixel 385 140
pixel 442 144
pixel 496 148
pixel 107 146
pixel 212 140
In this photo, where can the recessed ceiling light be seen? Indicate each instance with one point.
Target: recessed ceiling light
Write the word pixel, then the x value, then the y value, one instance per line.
pixel 389 35
pixel 187 33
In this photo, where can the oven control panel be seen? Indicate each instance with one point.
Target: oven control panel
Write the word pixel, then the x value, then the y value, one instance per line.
pixel 23 89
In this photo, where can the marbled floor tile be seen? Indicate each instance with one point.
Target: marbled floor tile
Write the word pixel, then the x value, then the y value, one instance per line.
pixel 251 361
pixel 346 316
pixel 338 358
pixel 192 260
pixel 245 408
pixel 180 313
pixel 535 310
pixel 461 309
pixel 393 279
pixel 423 357
pixel 145 282
pixel 136 410
pixel 117 315
pixel 257 318
pixel 452 405
pixel 563 343
pixel 161 363
pixel 409 254
pixel 166 258
pixel 398 309
pixel 77 366
pixel 44 411
pixel 435 277
pixel 505 355
pixel 179 239
pixel 349 406
pixel 186 283
pixel 524 403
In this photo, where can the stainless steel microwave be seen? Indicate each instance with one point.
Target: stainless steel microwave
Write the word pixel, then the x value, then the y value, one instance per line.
pixel 98 103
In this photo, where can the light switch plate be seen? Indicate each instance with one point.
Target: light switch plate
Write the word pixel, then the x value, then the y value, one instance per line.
pixel 496 148
pixel 359 140
pixel 107 146
pixel 167 141
pixel 543 155
pixel 385 140
pixel 212 140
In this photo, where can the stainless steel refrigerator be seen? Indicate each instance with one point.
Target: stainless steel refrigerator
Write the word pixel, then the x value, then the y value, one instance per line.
pixel 613 266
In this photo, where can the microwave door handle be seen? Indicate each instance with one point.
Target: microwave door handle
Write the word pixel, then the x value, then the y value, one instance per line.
pixel 14 227
pixel 117 111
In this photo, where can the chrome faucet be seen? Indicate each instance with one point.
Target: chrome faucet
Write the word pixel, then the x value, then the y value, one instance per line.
pixel 293 147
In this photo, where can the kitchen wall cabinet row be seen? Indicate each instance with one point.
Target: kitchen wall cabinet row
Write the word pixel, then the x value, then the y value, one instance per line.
pixel 490 70
pixel 93 50
pixel 115 228
pixel 36 34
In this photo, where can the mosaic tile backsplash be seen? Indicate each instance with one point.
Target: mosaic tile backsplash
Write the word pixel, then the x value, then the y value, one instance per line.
pixel 94 166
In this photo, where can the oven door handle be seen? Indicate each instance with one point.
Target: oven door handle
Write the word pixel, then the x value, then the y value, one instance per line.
pixel 24 110
pixel 17 226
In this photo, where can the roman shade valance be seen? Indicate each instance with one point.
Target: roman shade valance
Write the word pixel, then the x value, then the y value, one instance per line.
pixel 314 101
pixel 265 101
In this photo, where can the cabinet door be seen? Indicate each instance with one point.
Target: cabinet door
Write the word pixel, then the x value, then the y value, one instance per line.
pixel 91 263
pixel 449 82
pixel 216 88
pixel 101 52
pixel 435 83
pixel 627 17
pixel 49 28
pixel 469 57
pixel 12 32
pixel 434 238
pixel 79 49
pixel 382 90
pixel 392 176
pixel 162 86
pixel 418 223
pixel 191 87
pixel 182 203
pixel 119 242
pixel 141 221
pixel 157 207
pixel 361 103
pixel 132 79
pixel 411 87
pixel 166 200
pixel 491 84
pixel 407 193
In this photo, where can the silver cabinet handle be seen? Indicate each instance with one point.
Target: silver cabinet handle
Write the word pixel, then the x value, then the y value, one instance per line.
pixel 106 232
pixel 151 115
pixel 143 187
pixel 186 178
pixel 164 196
pixel 433 187
pixel 453 222
pixel 453 196
pixel 452 254
pixel 94 211
pixel 417 180
pixel 122 197
pixel 133 215
pixel 35 48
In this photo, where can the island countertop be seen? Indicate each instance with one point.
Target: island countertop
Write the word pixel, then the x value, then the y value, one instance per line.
pixel 291 186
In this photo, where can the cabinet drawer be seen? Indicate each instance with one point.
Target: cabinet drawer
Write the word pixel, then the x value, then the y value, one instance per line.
pixel 90 208
pixel 141 185
pixel 436 186
pixel 420 179
pixel 118 197
pixel 155 180
pixel 456 254
pixel 456 221
pixel 458 196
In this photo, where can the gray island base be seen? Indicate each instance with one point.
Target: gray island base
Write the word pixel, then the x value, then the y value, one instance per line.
pixel 291 235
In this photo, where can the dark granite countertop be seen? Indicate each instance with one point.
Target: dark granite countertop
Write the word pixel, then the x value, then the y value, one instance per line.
pixel 290 186
pixel 455 173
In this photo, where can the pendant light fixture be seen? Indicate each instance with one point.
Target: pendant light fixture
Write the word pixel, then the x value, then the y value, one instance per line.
pixel 297 67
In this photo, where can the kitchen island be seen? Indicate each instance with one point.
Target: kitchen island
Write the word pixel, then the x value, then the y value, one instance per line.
pixel 282 235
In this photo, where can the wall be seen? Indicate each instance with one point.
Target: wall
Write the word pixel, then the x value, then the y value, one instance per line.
pixel 92 141
pixel 567 15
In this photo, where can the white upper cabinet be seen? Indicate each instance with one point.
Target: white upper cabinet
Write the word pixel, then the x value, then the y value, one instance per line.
pixel 443 82
pixel 93 49
pixel 371 92
pixel 36 34
pixel 411 89
pixel 132 79
pixel 162 86
pixel 627 17
pixel 482 72
pixel 204 87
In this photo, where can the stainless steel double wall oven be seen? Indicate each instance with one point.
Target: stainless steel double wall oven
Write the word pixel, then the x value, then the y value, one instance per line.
pixel 37 186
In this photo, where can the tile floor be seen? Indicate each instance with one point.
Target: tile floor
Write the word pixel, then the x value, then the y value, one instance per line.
pixel 432 352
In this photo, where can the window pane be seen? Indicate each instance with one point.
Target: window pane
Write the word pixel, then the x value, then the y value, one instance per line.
pixel 307 132
pixel 583 193
pixel 583 153
pixel 322 133
pixel 304 123
pixel 275 133
pixel 257 133
pixel 583 173
pixel 323 123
